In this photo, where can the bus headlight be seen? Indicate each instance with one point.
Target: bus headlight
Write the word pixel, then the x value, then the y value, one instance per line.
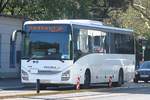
pixel 65 76
pixel 24 75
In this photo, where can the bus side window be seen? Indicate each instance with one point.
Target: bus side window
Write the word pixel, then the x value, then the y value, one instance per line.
pixel 90 43
pixel 123 44
pixel 106 43
pixel 99 42
pixel 80 42
pixel 97 47
pixel 83 41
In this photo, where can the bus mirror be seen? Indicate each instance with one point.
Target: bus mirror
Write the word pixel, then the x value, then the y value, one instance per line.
pixel 14 34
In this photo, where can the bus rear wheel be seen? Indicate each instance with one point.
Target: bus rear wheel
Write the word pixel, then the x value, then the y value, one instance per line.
pixel 120 79
pixel 87 79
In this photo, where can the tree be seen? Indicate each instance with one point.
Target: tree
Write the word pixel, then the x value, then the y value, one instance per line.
pixel 108 10
pixel 3 4
pixel 142 6
pixel 68 9
pixel 137 18
pixel 59 9
pixel 29 8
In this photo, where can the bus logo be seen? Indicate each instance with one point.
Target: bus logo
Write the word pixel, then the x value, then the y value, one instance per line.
pixel 36 61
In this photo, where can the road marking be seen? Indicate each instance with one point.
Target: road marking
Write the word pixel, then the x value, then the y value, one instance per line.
pixel 79 96
pixel 96 96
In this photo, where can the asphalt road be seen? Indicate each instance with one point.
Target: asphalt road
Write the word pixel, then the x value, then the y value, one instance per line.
pixel 131 91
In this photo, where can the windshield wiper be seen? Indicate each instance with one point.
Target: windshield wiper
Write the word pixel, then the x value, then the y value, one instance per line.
pixel 54 57
pixel 30 58
pixel 61 60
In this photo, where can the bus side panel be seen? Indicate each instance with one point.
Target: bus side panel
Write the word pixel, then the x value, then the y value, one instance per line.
pixel 102 66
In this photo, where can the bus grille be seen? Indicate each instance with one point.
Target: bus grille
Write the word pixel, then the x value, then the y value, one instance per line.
pixel 45 72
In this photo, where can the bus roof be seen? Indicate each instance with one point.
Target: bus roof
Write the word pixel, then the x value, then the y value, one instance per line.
pixel 85 23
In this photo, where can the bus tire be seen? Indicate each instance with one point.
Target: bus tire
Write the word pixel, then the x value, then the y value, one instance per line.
pixel 87 79
pixel 120 78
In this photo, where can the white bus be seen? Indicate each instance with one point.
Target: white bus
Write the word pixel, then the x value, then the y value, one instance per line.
pixel 60 51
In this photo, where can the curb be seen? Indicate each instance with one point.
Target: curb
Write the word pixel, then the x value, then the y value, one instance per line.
pixel 26 94
pixel 49 93
pixel 38 94
pixel 42 92
pixel 12 88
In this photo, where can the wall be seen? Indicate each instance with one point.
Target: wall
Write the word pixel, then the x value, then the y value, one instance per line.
pixel 7 26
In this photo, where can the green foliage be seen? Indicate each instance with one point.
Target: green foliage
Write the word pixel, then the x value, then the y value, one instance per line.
pixel 117 12
pixel 120 13
pixel 3 4
pixel 134 14
pixel 60 9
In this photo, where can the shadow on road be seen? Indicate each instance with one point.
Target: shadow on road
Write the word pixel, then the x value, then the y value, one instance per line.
pixel 132 88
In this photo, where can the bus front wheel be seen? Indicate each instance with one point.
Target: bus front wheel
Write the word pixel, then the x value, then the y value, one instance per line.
pixel 120 78
pixel 87 79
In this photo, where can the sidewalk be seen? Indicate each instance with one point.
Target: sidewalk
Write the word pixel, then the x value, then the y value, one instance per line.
pixel 22 93
pixel 11 88
pixel 10 84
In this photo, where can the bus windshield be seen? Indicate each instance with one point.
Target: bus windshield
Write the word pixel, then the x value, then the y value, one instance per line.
pixel 48 43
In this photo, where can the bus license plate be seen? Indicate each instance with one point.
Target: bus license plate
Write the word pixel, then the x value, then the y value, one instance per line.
pixel 44 81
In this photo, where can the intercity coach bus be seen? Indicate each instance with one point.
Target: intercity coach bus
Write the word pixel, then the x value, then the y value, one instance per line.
pixel 61 51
